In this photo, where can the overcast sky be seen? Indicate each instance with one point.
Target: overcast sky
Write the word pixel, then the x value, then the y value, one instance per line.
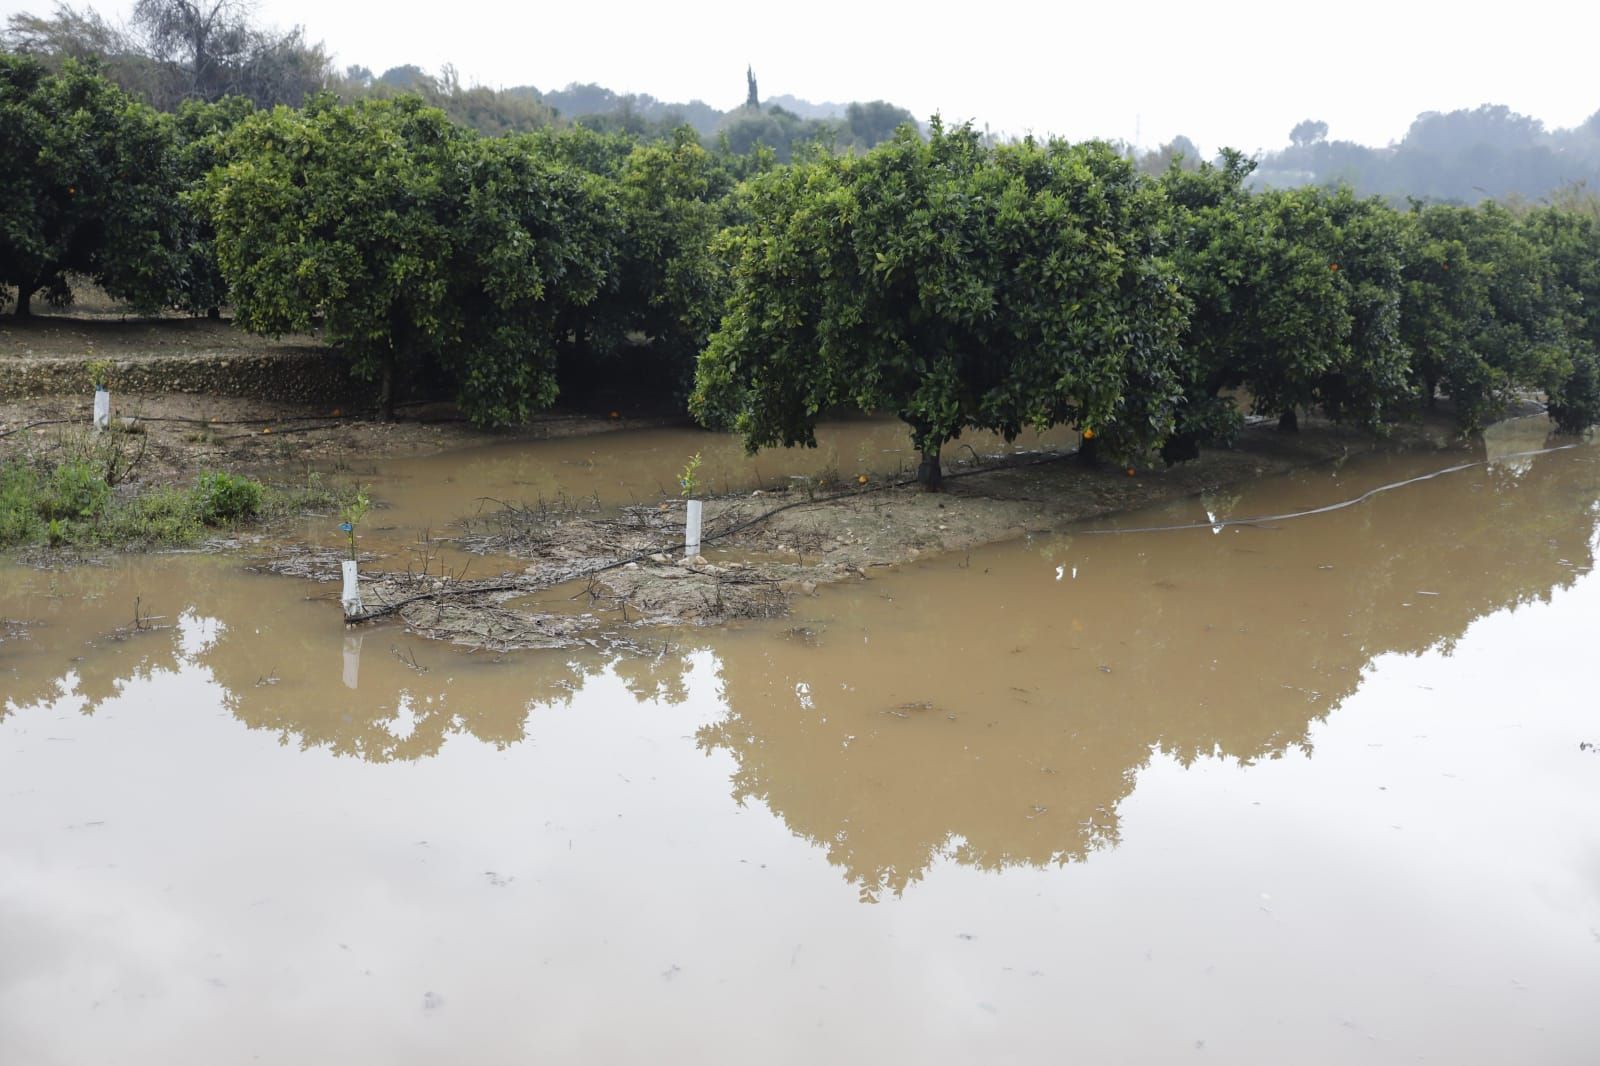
pixel 1225 72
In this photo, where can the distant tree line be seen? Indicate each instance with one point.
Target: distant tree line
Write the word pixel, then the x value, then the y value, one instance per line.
pixel 175 51
pixel 959 284
pixel 1035 284
pixel 1463 156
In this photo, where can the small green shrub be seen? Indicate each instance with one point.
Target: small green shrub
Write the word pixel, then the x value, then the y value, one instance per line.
pixel 19 510
pixel 165 515
pixel 689 479
pixel 222 498
pixel 99 371
pixel 73 491
pixel 353 511
pixel 112 457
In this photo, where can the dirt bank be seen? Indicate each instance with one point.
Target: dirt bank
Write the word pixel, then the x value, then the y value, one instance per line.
pixel 48 356
pixel 186 435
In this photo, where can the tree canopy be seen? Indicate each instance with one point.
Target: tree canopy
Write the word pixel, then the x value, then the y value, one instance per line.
pixel 177 50
pixel 1485 314
pixel 959 287
pixel 90 186
pixel 959 284
pixel 415 245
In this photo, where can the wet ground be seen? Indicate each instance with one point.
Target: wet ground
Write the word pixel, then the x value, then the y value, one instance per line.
pixel 1323 789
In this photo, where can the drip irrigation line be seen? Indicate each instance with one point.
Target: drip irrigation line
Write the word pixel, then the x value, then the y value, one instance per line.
pixel 30 425
pixel 239 421
pixel 1262 520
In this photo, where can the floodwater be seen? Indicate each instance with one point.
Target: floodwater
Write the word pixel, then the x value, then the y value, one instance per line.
pixel 637 466
pixel 1323 790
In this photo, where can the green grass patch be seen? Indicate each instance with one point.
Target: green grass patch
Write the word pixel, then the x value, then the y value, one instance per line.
pixel 72 504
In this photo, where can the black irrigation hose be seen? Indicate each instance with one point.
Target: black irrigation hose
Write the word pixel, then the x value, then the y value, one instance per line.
pixel 1257 520
pixel 239 421
pixel 341 419
pixel 42 422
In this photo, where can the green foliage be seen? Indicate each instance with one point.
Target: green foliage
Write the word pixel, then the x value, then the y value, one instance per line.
pixel 534 242
pixel 166 515
pixel 487 111
pixel 689 478
pixel 1295 299
pixel 49 504
pixel 19 512
pixel 89 186
pixel 664 290
pixel 201 134
pixel 351 513
pixel 172 51
pixel 959 287
pixel 74 492
pixel 1460 156
pixel 870 124
pixel 1485 313
pixel 1569 233
pixel 417 247
pixel 112 456
pixel 70 503
pixel 339 216
pixel 1575 402
pixel 223 498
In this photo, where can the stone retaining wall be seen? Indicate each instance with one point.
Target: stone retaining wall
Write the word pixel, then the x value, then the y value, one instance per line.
pixel 290 377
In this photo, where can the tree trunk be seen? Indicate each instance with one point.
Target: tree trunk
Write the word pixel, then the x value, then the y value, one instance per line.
pixel 214 314
pixel 1181 448
pixel 1430 392
pixel 930 474
pixel 386 390
pixel 1089 451
pixel 24 302
pixel 1289 422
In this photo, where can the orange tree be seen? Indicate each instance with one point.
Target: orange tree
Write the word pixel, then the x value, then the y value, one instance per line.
pixel 959 287
pixel 416 245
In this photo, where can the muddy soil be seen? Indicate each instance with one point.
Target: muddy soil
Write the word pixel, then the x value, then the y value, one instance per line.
pixel 188 432
pixel 186 435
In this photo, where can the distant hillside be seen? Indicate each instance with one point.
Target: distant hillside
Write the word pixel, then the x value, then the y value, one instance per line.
pixel 805 108
pixel 578 101
pixel 1463 156
pixel 780 123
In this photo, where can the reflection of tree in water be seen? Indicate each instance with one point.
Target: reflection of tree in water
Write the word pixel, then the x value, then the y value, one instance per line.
pixel 284 665
pixel 995 718
pixel 956 721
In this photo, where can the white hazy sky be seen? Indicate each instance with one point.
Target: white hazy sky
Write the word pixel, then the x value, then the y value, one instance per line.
pixel 1222 72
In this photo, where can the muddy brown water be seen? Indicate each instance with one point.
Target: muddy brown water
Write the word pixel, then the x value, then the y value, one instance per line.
pixel 1325 790
pixel 641 466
